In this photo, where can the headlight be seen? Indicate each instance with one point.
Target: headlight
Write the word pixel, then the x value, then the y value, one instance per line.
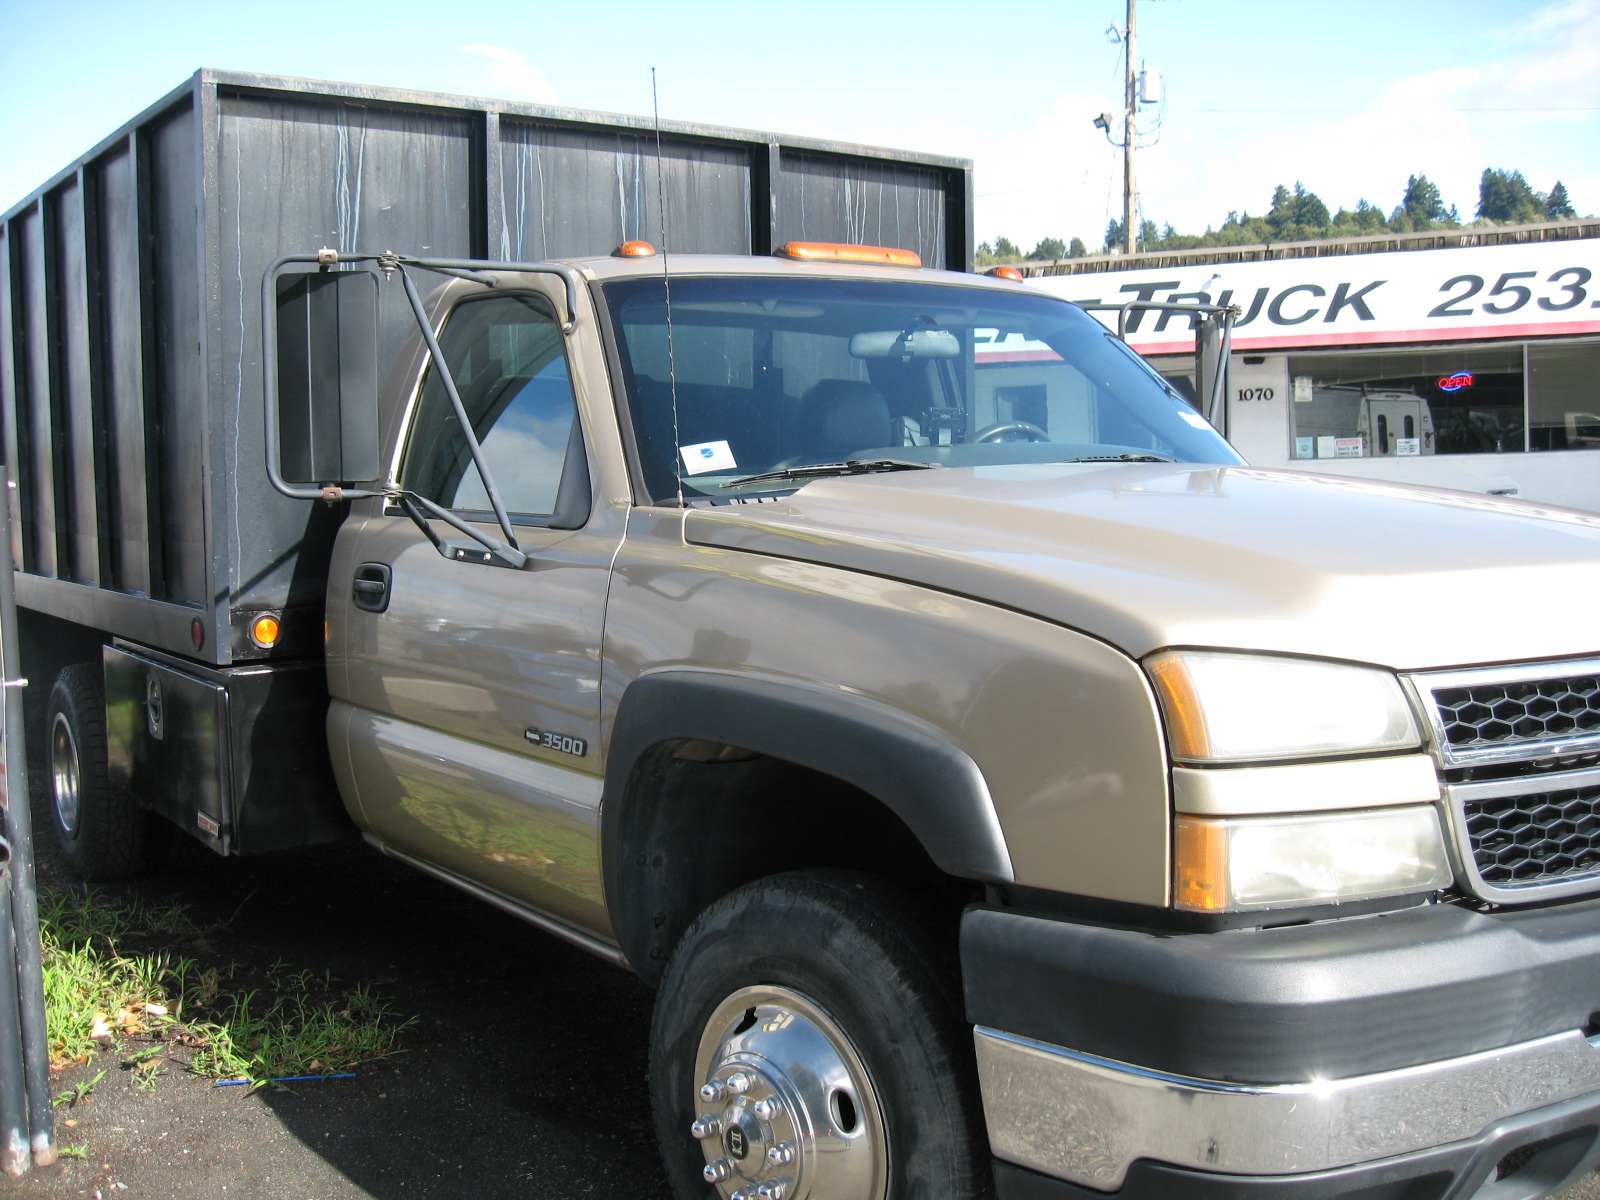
pixel 1240 863
pixel 1226 708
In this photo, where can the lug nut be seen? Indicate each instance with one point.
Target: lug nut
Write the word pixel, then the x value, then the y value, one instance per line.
pixel 706 1127
pixel 717 1171
pixel 776 1190
pixel 740 1082
pixel 713 1092
pixel 765 1110
pixel 781 1155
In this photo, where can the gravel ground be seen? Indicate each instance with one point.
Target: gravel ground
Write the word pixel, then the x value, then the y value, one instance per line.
pixel 524 1078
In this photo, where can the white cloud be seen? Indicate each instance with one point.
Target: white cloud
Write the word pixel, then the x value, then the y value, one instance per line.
pixel 508 75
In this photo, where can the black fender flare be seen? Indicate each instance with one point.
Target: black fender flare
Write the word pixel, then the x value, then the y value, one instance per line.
pixel 935 788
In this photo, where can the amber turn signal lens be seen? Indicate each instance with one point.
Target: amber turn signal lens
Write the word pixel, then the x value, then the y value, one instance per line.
pixel 1006 273
pixel 1186 723
pixel 845 252
pixel 1200 865
pixel 634 250
pixel 264 632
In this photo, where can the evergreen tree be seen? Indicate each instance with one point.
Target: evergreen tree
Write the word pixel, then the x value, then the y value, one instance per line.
pixel 1422 204
pixel 1505 196
pixel 1113 234
pixel 1005 250
pixel 1048 250
pixel 1148 238
pixel 1077 249
pixel 1559 207
pixel 1298 215
pixel 1310 213
pixel 1365 219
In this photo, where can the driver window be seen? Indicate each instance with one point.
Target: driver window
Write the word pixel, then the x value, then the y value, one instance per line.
pixel 507 358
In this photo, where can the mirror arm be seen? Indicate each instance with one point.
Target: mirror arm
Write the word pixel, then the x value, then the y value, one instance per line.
pixel 462 419
pixel 412 503
pixel 418 518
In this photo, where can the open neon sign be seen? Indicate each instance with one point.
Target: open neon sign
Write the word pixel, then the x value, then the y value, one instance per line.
pixel 1454 383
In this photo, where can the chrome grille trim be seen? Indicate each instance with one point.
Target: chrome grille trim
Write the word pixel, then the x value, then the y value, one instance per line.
pixel 1465 859
pixel 1470 860
pixel 1511 749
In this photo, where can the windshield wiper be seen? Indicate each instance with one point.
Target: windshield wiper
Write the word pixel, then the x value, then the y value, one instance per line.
pixel 1121 458
pixel 855 466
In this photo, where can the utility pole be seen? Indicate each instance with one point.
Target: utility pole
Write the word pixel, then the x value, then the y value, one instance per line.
pixel 1130 230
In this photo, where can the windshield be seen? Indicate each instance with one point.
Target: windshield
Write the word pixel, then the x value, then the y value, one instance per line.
pixel 778 373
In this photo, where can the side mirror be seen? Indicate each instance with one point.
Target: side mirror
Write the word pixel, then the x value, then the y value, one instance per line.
pixel 325 410
pixel 1211 368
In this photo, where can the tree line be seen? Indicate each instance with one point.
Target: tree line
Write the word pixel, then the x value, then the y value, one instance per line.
pixel 1299 215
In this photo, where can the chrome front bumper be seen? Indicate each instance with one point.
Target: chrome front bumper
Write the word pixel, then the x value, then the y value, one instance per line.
pixel 1086 1119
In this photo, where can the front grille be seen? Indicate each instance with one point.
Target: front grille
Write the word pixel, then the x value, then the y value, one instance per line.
pixel 1531 710
pixel 1518 841
pixel 1518 747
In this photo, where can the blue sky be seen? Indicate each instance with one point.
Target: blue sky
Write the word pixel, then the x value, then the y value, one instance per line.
pixel 1349 98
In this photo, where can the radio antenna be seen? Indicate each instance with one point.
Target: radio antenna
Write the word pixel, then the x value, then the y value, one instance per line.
pixel 666 283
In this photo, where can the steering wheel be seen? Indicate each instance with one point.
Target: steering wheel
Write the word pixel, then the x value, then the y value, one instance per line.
pixel 997 433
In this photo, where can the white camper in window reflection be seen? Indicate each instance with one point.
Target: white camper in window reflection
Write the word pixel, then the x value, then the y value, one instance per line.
pixel 1348 422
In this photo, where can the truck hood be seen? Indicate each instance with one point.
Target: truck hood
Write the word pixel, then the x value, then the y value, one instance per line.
pixel 1146 556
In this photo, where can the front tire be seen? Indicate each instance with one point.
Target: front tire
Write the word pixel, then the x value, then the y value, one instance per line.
pixel 808 1045
pixel 101 832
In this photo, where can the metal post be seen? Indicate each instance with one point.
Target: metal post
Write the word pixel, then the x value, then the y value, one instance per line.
pixel 1130 230
pixel 13 1089
pixel 22 969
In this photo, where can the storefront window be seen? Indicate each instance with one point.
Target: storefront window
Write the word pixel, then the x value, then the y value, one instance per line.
pixel 1564 396
pixel 1466 400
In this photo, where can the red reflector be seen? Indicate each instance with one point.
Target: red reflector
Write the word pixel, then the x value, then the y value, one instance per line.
pixel 634 250
pixel 1006 273
pixel 844 252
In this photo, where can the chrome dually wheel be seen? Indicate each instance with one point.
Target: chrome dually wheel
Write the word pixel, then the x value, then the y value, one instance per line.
pixel 102 833
pixel 808 1044
pixel 786 1109
pixel 65 774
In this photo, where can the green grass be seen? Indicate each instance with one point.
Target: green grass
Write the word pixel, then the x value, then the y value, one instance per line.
pixel 107 971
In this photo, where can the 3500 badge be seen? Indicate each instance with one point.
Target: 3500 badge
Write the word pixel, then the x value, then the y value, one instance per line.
pixel 560 742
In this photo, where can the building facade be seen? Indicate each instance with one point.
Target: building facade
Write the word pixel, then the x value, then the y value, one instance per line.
pixel 1467 359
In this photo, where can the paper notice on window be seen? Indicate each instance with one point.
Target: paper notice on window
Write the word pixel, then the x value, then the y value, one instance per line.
pixel 1406 447
pixel 707 456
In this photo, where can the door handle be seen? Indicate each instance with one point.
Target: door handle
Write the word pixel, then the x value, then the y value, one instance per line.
pixel 370 591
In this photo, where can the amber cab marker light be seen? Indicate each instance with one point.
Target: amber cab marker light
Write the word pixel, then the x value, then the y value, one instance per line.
pixel 845 252
pixel 264 632
pixel 634 250
pixel 1010 273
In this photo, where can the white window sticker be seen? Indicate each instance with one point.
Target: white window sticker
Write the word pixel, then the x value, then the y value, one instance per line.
pixel 707 456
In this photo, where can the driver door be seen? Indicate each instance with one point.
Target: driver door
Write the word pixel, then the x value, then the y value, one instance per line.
pixel 467 695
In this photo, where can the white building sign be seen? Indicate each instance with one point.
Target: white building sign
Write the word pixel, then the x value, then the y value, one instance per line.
pixel 1512 291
